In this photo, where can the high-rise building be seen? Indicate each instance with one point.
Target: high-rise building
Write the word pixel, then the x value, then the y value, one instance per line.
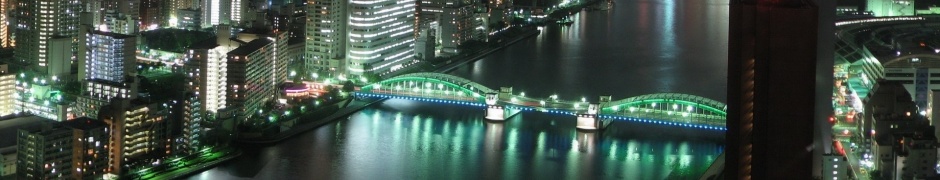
pixel 60 52
pixel 206 75
pixel 232 12
pixel 74 149
pixel 206 65
pixel 172 7
pixel 776 104
pixel 430 11
pixel 325 37
pixel 7 90
pixel 8 162
pixel 138 133
pixel 150 15
pixel 251 77
pixel 835 167
pixel 110 71
pixel 890 7
pixel 190 19
pixel 118 23
pixel 37 22
pixel 111 56
pixel 456 26
pixel 44 153
pixel 193 131
pixel 89 147
pixel 6 34
pixel 381 36
pixel 424 45
pixel 499 11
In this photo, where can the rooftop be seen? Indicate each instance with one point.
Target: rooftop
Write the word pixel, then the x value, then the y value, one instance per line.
pixel 209 43
pixel 84 123
pixel 250 47
pixel 115 35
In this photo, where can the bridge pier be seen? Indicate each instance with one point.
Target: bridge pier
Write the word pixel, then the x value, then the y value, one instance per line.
pixel 498 112
pixel 589 121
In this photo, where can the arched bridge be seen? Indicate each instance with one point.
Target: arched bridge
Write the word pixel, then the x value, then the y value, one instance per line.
pixel 662 108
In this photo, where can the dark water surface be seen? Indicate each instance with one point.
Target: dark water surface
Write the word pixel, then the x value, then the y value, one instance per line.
pixel 638 47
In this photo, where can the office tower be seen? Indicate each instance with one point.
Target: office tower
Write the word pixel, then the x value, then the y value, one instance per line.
pixel 37 22
pixel 138 133
pixel 7 90
pixel 381 37
pixel 89 152
pixel 6 34
pixel 775 101
pixel 325 37
pixel 44 153
pixel 250 77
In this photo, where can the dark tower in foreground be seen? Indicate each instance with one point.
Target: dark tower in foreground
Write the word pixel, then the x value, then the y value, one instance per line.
pixel 772 89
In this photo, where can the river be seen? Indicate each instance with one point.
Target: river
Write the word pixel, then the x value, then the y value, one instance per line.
pixel 638 47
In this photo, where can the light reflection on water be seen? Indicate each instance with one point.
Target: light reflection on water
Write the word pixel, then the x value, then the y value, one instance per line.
pixel 639 47
pixel 402 139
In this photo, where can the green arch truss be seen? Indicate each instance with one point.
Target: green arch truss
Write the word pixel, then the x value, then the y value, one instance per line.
pixel 432 85
pixel 686 100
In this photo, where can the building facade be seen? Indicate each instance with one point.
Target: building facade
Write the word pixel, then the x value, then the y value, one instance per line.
pixel 44 153
pixel 326 37
pixel 456 26
pixel 835 167
pixel 251 78
pixel 6 32
pixel 89 147
pixel 37 22
pixel 7 90
pixel 138 133
pixel 772 90
pixel 111 56
pixel 381 36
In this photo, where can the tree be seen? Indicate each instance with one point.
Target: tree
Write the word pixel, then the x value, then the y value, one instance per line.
pixel 348 86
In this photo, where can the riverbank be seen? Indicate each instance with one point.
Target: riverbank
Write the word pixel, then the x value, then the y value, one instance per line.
pixel 461 59
pixel 195 168
pixel 474 56
pixel 356 105
pixel 350 108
